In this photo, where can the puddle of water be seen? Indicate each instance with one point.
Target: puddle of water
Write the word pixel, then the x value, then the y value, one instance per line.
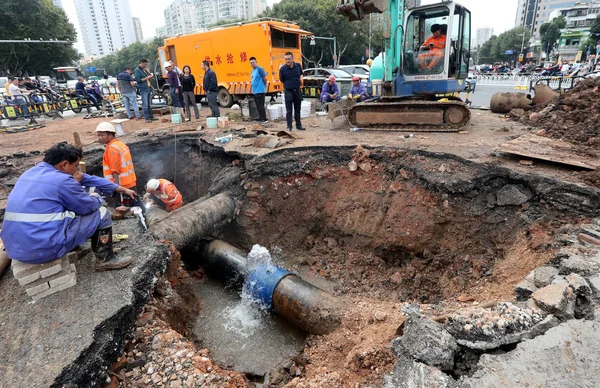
pixel 240 333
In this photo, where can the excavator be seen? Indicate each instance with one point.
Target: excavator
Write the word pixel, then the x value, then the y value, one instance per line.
pixel 415 83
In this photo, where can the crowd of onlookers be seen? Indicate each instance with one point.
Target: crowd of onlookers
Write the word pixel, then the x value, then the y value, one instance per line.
pixel 548 68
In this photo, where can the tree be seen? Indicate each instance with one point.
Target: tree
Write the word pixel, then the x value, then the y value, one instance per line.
pixel 594 34
pixel 550 32
pixel 35 20
pixel 129 56
pixel 319 17
pixel 511 40
pixel 485 52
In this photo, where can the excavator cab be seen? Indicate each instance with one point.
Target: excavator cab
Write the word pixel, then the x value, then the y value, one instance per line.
pixel 437 43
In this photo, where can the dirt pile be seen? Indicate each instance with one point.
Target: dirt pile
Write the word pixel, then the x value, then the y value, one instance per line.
pixel 573 116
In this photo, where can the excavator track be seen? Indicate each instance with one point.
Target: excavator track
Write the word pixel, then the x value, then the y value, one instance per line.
pixel 410 115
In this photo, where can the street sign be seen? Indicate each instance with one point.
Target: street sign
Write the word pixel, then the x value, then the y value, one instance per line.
pixel 90 69
pixel 509 52
pixel 312 40
pixel 520 57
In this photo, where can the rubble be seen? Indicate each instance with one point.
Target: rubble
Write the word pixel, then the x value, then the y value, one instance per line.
pixel 572 116
pixel 558 299
pixel 542 276
pixel 159 356
pixel 565 356
pixel 428 342
pixel 409 373
pixel 511 195
pixel 505 323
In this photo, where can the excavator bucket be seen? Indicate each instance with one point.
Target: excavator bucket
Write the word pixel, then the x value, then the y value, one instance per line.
pixel 357 9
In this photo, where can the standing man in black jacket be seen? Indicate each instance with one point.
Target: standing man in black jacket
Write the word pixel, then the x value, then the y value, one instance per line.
pixel 211 87
pixel 289 75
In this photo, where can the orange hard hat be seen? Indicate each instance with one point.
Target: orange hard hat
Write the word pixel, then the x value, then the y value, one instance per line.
pixel 332 78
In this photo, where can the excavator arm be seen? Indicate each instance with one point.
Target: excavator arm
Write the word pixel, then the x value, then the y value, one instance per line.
pixel 357 9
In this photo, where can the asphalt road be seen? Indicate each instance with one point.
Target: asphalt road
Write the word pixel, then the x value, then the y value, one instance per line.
pixel 483 93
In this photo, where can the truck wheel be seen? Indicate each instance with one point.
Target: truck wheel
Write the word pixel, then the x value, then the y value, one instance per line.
pixel 225 99
pixel 167 96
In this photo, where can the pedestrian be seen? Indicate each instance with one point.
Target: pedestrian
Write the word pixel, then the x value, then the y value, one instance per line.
pixel 188 83
pixel 289 75
pixel 165 191
pixel 211 88
pixel 259 88
pixel 18 96
pixel 330 91
pixel 143 77
pixel 49 213
pixel 176 89
pixel 116 163
pixel 125 85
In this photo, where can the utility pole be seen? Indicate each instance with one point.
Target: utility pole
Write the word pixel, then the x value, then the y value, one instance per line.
pixel 370 32
pixel 335 58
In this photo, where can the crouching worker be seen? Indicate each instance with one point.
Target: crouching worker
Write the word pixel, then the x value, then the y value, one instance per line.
pixel 49 213
pixel 358 91
pixel 166 192
pixel 330 91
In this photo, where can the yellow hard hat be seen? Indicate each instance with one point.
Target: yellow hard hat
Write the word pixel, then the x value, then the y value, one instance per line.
pixel 106 127
pixel 369 62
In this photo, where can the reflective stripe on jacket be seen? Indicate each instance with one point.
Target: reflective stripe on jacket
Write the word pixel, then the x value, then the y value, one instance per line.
pixel 42 213
pixel 117 159
pixel 170 196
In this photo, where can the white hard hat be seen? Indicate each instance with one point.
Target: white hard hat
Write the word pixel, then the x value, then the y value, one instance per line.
pixel 106 127
pixel 167 64
pixel 152 184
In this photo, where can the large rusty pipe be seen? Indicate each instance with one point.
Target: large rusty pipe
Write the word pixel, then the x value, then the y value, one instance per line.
pixel 194 220
pixel 285 293
pixel 505 102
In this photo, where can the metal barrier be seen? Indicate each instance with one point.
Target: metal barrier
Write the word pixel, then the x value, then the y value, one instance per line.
pixel 556 83
pixel 516 81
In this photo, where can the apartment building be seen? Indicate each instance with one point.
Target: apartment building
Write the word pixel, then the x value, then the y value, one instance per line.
pixel 106 25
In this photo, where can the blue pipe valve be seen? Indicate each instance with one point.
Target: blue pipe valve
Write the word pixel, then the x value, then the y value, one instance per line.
pixel 262 280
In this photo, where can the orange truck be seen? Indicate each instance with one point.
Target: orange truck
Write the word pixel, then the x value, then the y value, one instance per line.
pixel 229 49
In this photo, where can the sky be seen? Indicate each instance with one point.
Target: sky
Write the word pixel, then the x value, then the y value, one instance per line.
pixel 498 15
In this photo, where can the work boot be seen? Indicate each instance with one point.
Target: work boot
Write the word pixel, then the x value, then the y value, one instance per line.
pixel 102 246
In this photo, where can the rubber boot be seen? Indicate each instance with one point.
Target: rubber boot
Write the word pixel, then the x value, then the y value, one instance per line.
pixel 102 246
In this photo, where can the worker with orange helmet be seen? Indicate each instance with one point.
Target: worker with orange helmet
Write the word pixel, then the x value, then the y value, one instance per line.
pixel 358 91
pixel 166 192
pixel 116 163
pixel 330 91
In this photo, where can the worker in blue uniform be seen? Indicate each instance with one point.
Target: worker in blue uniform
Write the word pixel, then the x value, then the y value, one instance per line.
pixel 49 213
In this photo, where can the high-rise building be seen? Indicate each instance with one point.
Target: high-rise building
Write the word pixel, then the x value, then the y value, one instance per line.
pixel 483 35
pixel 161 31
pixel 533 13
pixel 187 16
pixel 180 18
pixel 58 3
pixel 106 25
pixel 137 28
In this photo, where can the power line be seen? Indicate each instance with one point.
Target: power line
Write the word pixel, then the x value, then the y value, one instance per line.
pixel 37 41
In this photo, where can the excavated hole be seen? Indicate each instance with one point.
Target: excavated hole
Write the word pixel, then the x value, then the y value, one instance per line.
pixel 405 228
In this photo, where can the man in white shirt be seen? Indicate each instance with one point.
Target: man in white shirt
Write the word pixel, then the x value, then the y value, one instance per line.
pixel 18 96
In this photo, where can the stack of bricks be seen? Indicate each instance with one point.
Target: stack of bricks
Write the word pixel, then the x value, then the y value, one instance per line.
pixel 41 280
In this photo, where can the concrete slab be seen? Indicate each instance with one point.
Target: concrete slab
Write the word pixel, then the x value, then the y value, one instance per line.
pixel 566 356
pixel 65 338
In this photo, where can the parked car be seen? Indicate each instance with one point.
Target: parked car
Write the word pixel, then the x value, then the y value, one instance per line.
pixel 360 71
pixel 316 77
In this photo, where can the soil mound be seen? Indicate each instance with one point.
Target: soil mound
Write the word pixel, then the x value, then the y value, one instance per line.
pixel 573 116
